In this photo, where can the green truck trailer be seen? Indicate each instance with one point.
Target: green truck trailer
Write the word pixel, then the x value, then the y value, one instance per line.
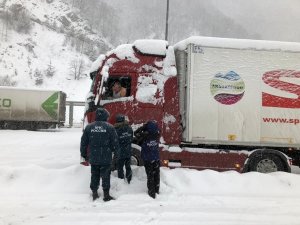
pixel 31 108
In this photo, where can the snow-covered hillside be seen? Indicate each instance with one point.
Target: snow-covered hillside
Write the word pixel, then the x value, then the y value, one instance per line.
pixel 42 182
pixel 20 63
pixel 57 39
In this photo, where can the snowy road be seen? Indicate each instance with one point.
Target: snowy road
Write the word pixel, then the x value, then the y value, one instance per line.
pixel 41 183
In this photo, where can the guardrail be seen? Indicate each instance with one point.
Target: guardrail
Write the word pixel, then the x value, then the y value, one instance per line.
pixel 71 105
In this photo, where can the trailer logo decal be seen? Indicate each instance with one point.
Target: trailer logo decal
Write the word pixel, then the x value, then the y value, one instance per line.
pixel 198 49
pixel 273 79
pixel 50 105
pixel 227 89
pixel 5 102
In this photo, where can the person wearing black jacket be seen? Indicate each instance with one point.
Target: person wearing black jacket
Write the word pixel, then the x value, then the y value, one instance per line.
pixel 125 135
pixel 101 139
pixel 148 137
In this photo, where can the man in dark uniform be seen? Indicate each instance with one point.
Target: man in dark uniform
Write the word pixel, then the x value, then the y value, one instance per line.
pixel 148 137
pixel 101 139
pixel 125 134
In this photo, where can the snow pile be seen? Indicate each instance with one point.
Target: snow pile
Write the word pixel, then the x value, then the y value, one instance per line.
pixel 125 52
pixel 231 183
pixel 174 149
pixel 121 52
pixel 151 47
pixel 43 183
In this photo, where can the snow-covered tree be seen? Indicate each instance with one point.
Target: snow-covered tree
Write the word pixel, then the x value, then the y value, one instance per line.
pixel 38 77
pixel 76 68
pixel 7 81
pixel 50 71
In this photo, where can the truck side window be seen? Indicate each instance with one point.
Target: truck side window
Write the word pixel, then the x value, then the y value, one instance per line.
pixel 117 87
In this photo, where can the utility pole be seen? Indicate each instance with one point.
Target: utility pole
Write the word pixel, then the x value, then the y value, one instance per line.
pixel 167 21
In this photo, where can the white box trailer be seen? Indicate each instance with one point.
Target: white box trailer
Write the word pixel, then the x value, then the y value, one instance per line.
pixel 239 92
pixel 31 108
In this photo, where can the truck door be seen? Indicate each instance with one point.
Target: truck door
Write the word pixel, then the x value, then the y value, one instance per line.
pixel 148 100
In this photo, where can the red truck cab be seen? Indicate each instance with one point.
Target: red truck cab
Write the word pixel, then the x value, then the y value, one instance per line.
pixel 151 87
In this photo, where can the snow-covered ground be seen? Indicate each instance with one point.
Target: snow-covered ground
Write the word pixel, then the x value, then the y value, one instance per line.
pixel 42 182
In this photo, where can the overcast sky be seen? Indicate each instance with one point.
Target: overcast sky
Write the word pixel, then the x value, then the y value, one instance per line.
pixel 272 19
pixel 258 19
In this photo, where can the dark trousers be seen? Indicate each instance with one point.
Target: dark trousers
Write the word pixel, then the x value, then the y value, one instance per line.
pixel 153 177
pixel 103 172
pixel 121 163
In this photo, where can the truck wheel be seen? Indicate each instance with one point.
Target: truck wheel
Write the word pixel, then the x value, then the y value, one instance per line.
pixel 136 158
pixel 5 125
pixel 266 163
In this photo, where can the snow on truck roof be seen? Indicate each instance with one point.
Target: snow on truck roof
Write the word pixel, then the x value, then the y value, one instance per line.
pixel 151 46
pixel 238 44
pixel 95 65
pixel 126 51
pixel 159 47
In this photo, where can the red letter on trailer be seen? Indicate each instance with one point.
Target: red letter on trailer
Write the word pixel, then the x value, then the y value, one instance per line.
pixel 272 79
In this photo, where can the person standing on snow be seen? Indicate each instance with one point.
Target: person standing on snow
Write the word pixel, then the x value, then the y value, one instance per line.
pixel 102 140
pixel 125 134
pixel 148 137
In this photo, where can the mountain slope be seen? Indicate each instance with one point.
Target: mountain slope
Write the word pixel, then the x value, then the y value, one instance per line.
pixel 54 49
pixel 146 19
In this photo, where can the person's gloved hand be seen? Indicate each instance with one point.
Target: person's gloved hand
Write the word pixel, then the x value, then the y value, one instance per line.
pixel 84 161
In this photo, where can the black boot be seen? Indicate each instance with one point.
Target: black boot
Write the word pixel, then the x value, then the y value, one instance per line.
pixel 95 195
pixel 107 197
pixel 157 189
pixel 129 177
pixel 151 194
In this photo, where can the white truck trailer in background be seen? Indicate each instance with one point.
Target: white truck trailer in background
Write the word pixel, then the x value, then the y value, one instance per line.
pixel 31 108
